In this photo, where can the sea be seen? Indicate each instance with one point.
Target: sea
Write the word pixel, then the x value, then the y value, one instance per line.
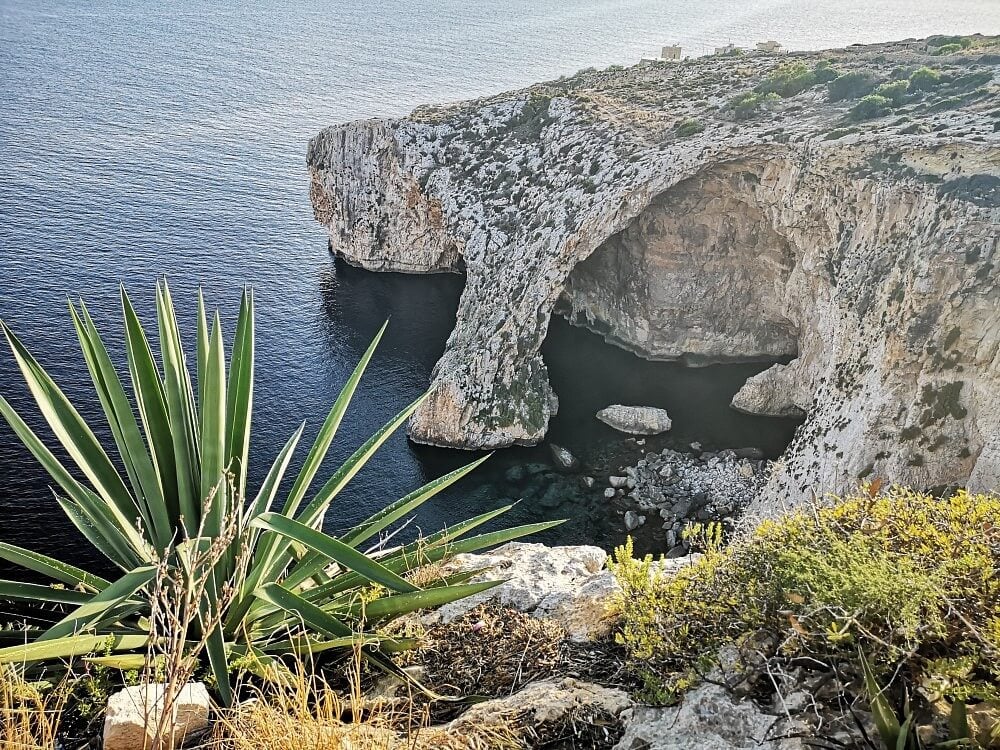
pixel 143 139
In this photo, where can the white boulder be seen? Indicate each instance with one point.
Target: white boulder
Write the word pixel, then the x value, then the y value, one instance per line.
pixel 635 420
pixel 551 702
pixel 133 717
pixel 709 718
pixel 569 585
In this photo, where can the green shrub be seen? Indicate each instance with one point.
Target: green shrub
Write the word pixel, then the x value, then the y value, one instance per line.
pixel 689 127
pixel 925 79
pixel 894 92
pixel 948 49
pixel 252 572
pixel 749 103
pixel 824 71
pixel 850 86
pixel 788 80
pixel 870 107
pixel 938 41
pixel 907 577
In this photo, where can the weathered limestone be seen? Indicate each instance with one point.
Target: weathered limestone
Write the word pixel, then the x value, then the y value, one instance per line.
pixel 566 584
pixel 869 259
pixel 547 704
pixel 133 716
pixel 635 420
pixel 708 718
pixel 569 585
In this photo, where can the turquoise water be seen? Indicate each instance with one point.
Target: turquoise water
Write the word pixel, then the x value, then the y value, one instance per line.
pixel 140 139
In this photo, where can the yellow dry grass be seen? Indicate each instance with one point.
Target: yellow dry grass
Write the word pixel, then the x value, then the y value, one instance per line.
pixel 305 713
pixel 29 717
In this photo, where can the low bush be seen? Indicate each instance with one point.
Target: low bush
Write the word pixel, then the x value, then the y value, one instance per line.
pixel 689 127
pixel 850 86
pixel 925 79
pixel 939 41
pixel 948 49
pixel 910 579
pixel 870 107
pixel 895 92
pixel 749 103
pixel 824 71
pixel 788 80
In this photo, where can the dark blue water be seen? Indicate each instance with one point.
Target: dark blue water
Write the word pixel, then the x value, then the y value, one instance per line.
pixel 143 139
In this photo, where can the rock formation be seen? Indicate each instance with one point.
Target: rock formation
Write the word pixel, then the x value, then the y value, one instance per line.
pixel 682 216
pixel 635 420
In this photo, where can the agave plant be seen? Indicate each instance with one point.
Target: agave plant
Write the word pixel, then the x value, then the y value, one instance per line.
pixel 291 587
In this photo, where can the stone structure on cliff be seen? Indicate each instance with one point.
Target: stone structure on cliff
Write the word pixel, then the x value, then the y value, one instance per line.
pixel 665 208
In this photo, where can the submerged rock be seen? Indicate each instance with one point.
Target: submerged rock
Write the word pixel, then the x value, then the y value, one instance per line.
pixel 563 458
pixel 635 420
pixel 633 520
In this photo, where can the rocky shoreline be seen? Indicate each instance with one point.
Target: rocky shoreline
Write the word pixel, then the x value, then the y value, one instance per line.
pixel 859 245
pixel 674 489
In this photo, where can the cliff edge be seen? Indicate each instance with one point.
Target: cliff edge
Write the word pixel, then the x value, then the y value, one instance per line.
pixel 840 208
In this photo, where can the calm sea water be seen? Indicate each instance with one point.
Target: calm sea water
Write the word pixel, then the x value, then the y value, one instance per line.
pixel 141 139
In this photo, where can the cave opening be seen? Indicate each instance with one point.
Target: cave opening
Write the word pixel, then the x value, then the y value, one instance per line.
pixel 589 374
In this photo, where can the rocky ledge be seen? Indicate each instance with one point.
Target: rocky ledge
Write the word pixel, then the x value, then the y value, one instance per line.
pixel 716 209
pixel 677 489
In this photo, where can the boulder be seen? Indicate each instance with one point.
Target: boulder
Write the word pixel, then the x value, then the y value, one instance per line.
pixel 708 718
pixel 133 716
pixel 633 520
pixel 635 420
pixel 563 458
pixel 568 585
pixel 548 705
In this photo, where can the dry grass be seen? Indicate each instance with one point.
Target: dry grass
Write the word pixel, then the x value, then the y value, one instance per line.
pixel 29 717
pixel 305 713
pixel 490 651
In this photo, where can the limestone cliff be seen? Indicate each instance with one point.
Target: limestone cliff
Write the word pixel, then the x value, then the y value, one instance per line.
pixel 712 210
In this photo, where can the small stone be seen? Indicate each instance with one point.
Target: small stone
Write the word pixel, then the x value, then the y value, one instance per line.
pixel 515 474
pixel 609 493
pixel 588 482
pixel 618 482
pixel 563 459
pixel 695 448
pixel 133 716
pixel 746 470
pixel 682 508
pixel 633 520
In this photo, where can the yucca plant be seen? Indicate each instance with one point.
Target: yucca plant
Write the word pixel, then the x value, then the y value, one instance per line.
pixel 290 588
pixel 899 734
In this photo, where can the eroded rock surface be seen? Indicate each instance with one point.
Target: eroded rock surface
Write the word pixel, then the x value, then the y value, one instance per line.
pixel 569 585
pixel 635 420
pixel 865 253
pixel 133 717
pixel 553 710
pixel 708 718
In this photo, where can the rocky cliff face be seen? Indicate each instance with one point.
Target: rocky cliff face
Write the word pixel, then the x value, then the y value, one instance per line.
pixel 663 208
